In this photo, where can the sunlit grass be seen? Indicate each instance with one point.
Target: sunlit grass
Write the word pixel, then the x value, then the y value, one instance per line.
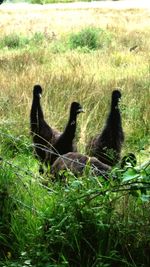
pixel 87 78
pixel 42 55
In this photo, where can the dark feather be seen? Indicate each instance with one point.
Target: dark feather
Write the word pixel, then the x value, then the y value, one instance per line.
pixel 43 135
pixel 65 143
pixel 107 145
pixel 76 163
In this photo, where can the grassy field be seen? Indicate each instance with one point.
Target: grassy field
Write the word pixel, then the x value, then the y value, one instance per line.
pixel 38 45
pixel 77 75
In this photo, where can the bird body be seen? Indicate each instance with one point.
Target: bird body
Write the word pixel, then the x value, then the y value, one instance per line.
pixel 65 143
pixel 107 145
pixel 76 163
pixel 43 135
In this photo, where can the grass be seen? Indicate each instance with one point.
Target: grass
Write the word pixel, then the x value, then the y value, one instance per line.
pixel 47 224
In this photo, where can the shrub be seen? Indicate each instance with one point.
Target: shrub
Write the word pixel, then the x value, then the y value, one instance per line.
pixel 15 41
pixel 91 38
pixel 89 222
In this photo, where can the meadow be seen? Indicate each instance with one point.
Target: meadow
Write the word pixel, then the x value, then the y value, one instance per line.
pixel 75 55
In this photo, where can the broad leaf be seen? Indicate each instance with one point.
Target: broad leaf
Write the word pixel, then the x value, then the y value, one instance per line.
pixel 130 174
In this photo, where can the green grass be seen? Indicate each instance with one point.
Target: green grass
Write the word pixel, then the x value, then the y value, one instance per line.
pixel 16 41
pixel 88 222
pixel 90 38
pixel 56 225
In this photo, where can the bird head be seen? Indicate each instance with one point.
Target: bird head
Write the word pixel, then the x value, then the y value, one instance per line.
pixel 116 97
pixel 37 90
pixel 76 108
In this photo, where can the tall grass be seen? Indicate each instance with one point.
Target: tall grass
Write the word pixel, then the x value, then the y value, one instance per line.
pixel 88 222
pixel 57 225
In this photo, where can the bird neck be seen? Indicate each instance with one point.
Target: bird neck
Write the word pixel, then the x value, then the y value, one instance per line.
pixel 114 117
pixel 70 129
pixel 114 104
pixel 33 114
pixel 35 101
pixel 39 109
pixel 64 143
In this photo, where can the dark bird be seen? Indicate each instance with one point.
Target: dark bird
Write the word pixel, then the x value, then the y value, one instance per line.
pixel 76 163
pixel 65 143
pixel 43 135
pixel 107 145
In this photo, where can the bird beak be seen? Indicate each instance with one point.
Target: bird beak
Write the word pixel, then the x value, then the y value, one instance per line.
pixel 80 110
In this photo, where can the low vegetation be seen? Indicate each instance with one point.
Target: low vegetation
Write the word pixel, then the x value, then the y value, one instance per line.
pixel 86 222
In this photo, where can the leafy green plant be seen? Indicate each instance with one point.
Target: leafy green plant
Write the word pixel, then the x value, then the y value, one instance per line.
pixel 6 208
pixel 90 38
pixel 16 41
pixel 13 41
pixel 78 223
